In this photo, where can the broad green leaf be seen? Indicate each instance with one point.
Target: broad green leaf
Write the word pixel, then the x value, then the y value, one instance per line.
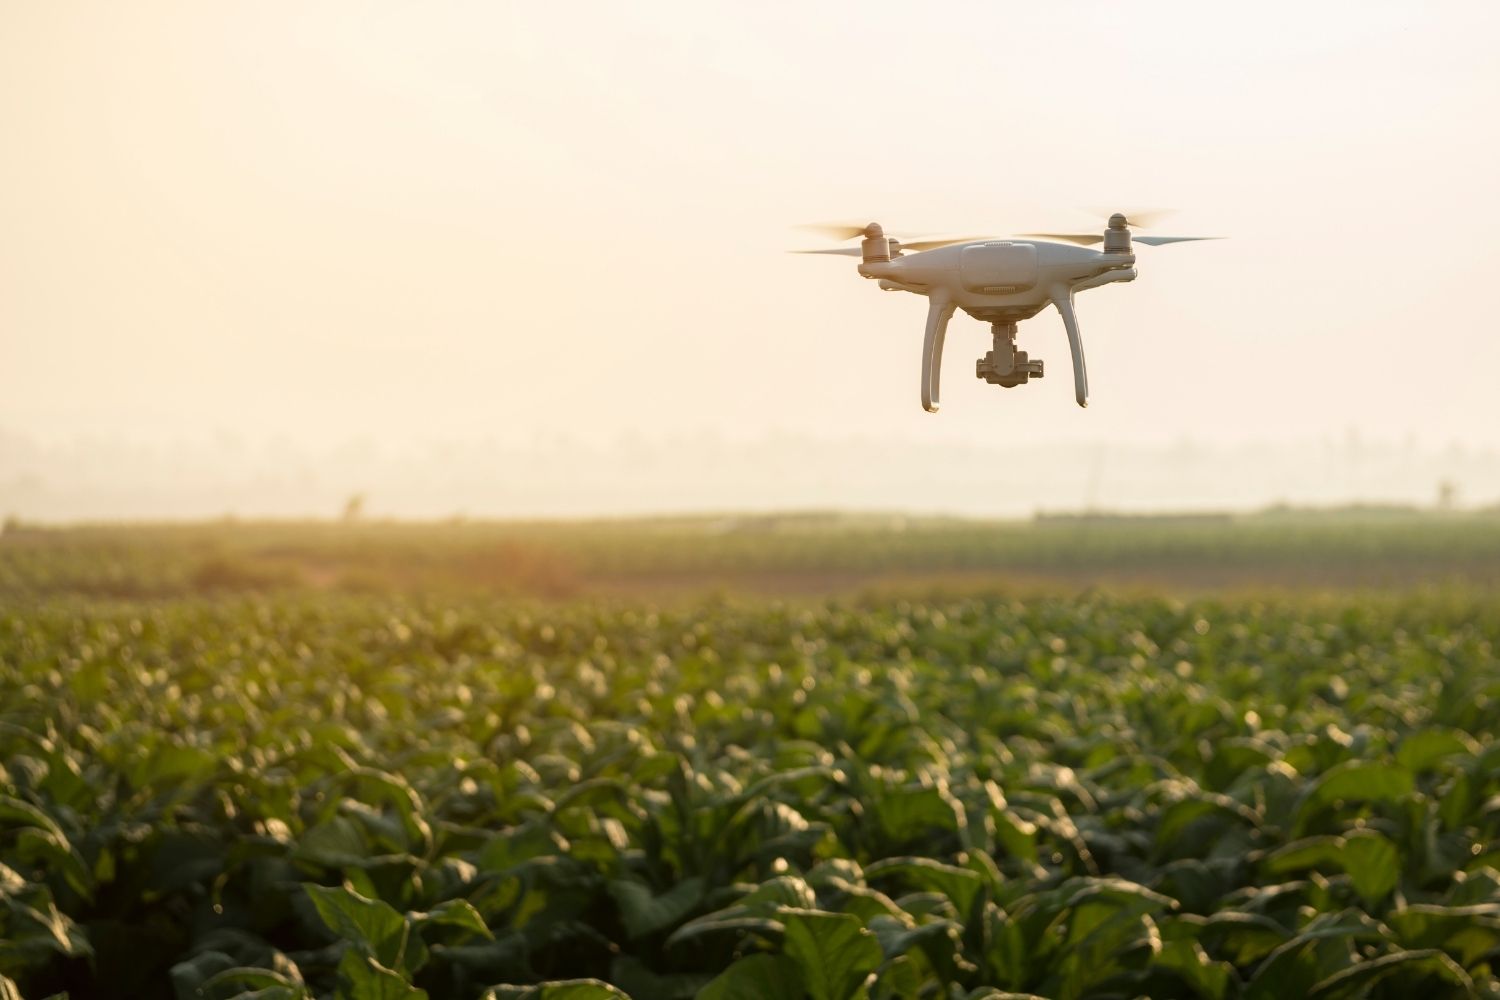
pixel 366 979
pixel 1457 801
pixel 1104 940
pixel 1233 757
pixel 1470 932
pixel 1176 817
pixel 1319 951
pixel 1244 938
pixel 513 847
pixel 959 884
pixel 455 913
pixel 643 913
pixel 336 843
pixel 1373 865
pixel 834 951
pixel 376 787
pixel 1108 894
pixel 169 764
pixel 635 977
pixel 1016 835
pixel 370 924
pixel 44 926
pixel 1425 748
pixel 757 977
pixel 1292 970
pixel 1199 886
pixel 899 978
pixel 579 989
pixel 563 989
pixel 189 975
pixel 897 939
pixel 260 982
pixel 906 814
pixel 21 813
pixel 1208 978
pixel 783 890
pixel 1420 966
pixel 733 925
pixel 1475 887
pixel 1301 855
pixel 867 904
pixel 1355 781
pixel 756 911
pixel 507 958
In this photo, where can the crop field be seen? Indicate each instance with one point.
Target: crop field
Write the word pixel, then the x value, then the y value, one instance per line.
pixel 764 758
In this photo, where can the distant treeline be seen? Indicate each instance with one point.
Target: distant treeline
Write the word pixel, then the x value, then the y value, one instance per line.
pixel 814 552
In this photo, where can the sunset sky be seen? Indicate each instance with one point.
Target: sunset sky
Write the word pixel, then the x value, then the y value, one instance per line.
pixel 539 222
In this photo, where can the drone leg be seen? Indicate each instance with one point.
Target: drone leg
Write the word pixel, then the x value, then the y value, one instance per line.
pixel 1062 297
pixel 939 311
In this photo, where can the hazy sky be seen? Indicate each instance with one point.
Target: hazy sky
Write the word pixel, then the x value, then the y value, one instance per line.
pixel 525 222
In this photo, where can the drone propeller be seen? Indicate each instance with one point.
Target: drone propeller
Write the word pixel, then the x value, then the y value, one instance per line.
pixel 1142 219
pixel 850 231
pixel 1089 239
pixel 916 247
pixel 1156 241
pixel 845 230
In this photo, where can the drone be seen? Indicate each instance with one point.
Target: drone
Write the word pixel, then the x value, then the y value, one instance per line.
pixel 1001 282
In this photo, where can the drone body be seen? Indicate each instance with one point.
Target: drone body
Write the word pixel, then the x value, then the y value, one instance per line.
pixel 1001 282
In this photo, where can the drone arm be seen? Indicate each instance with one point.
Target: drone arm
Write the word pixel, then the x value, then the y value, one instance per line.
pixel 939 311
pixel 1062 297
pixel 1107 278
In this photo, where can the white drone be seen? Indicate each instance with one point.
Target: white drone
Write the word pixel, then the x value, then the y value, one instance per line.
pixel 1000 282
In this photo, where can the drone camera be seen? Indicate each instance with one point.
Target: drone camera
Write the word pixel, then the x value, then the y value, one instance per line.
pixel 1020 370
pixel 1004 365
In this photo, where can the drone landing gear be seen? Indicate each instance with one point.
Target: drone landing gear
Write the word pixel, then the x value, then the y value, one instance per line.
pixel 939 312
pixel 1004 365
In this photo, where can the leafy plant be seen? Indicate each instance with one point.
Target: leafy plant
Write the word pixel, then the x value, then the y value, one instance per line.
pixel 374 795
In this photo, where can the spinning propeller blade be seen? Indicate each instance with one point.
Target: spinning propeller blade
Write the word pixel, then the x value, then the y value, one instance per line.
pixel 1141 219
pixel 1089 239
pixel 851 231
pixel 841 230
pixel 1156 241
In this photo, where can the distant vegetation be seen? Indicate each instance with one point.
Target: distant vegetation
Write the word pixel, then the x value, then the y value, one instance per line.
pixel 1374 548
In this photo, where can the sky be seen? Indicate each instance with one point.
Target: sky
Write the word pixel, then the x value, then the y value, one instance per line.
pixel 558 227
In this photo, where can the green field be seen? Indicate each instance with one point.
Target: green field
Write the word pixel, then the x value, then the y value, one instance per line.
pixel 800 756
